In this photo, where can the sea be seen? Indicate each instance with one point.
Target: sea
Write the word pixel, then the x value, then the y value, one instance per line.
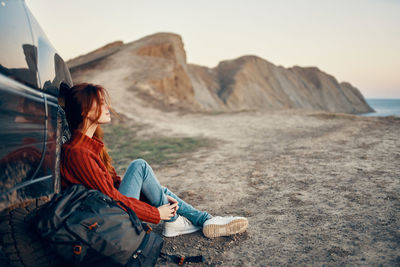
pixel 383 107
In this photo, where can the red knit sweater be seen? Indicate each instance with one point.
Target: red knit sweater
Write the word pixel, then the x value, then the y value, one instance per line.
pixel 81 164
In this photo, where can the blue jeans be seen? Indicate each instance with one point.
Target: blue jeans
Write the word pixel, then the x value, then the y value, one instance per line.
pixel 140 178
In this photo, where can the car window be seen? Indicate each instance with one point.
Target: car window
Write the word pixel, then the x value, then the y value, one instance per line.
pixel 18 55
pixel 51 67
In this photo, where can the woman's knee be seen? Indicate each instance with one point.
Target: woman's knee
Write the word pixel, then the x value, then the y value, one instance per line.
pixel 136 170
pixel 138 163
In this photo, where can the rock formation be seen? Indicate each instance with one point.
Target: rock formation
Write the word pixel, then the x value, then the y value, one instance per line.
pixel 155 66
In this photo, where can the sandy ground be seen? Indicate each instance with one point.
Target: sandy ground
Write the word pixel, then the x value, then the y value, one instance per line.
pixel 318 188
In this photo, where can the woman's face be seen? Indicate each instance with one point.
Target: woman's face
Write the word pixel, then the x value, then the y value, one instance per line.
pixel 105 116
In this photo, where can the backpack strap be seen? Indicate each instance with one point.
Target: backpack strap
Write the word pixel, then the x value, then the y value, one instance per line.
pixel 181 260
pixel 147 228
pixel 78 256
pixel 132 216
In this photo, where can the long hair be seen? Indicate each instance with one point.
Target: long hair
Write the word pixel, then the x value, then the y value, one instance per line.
pixel 78 102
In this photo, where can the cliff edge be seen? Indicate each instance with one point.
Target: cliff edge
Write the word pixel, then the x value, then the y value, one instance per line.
pixel 154 68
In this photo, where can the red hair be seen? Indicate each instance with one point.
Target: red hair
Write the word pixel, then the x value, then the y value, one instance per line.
pixel 78 102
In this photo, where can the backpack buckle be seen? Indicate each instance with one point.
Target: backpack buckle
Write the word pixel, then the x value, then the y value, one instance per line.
pixel 93 226
pixel 77 249
pixel 136 254
pixel 182 260
pixel 149 229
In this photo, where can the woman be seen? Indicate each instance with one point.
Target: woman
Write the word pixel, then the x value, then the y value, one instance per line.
pixel 84 160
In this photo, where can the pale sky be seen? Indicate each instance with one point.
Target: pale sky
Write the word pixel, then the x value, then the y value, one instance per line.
pixel 354 40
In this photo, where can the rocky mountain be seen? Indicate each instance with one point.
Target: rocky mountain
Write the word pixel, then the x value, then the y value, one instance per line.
pixel 154 69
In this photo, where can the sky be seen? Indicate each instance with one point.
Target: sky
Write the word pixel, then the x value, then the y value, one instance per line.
pixel 357 41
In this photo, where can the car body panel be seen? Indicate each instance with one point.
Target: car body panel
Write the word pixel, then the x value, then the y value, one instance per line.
pixel 31 73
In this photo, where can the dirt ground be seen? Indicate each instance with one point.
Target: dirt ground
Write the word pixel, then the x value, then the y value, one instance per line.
pixel 317 188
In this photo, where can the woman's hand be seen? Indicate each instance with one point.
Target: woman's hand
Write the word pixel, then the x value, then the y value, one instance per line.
pixel 171 200
pixel 167 211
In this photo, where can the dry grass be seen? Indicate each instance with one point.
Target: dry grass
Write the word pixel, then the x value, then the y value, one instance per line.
pixel 125 144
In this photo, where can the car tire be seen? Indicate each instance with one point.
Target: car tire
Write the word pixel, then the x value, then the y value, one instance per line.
pixel 21 245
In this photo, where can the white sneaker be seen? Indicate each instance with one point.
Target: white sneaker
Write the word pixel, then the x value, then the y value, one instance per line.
pixel 180 226
pixel 224 226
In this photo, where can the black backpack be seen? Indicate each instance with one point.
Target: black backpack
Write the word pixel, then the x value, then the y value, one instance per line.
pixel 88 228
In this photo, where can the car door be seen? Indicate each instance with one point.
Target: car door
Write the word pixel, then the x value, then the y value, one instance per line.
pixel 53 73
pixel 22 106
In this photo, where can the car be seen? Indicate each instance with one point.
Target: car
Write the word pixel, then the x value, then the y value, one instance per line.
pixel 32 74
